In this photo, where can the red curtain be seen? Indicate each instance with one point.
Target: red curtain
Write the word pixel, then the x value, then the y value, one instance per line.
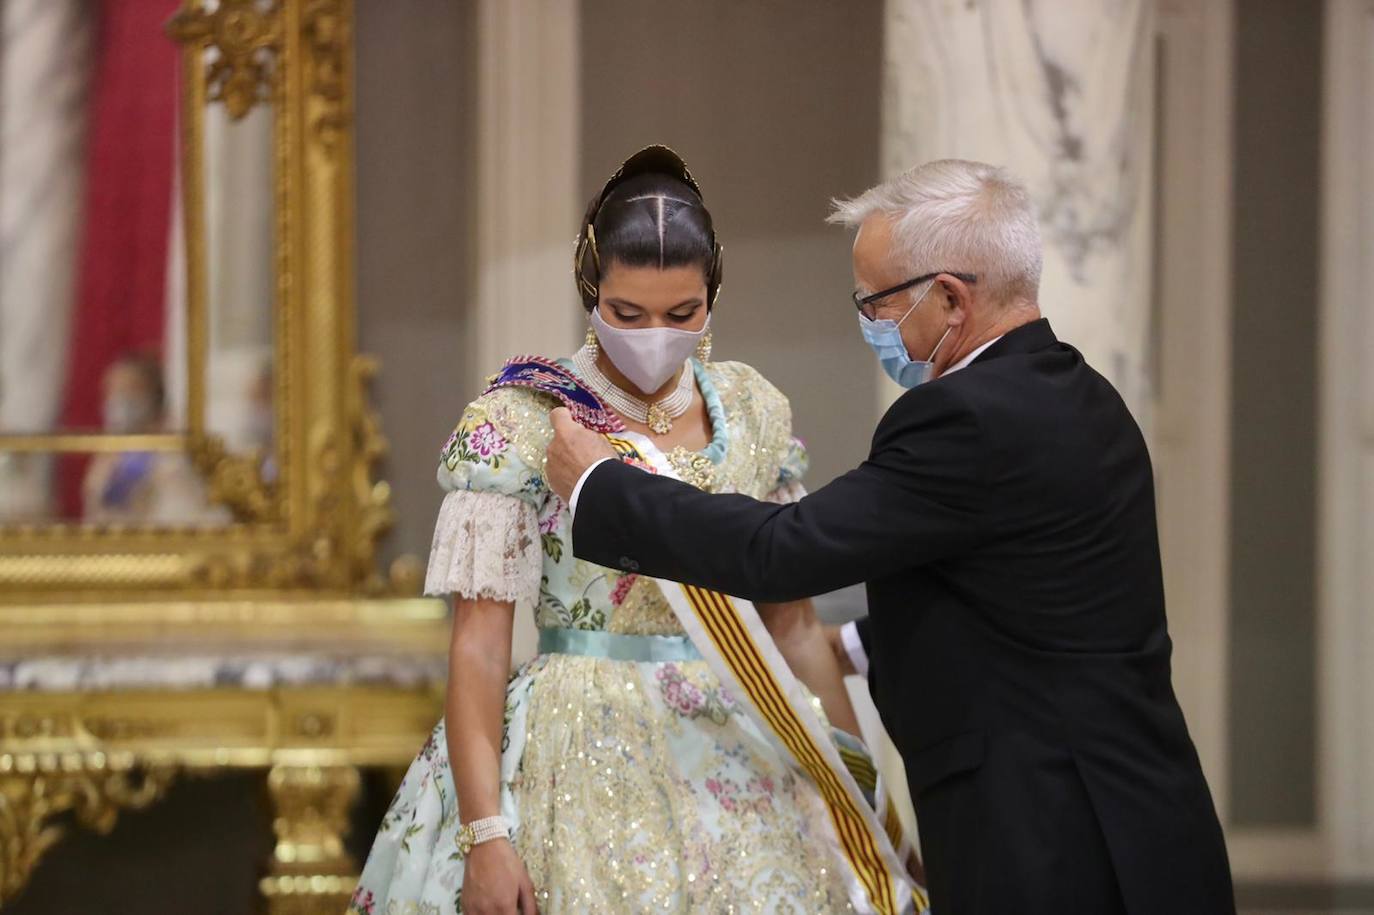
pixel 122 266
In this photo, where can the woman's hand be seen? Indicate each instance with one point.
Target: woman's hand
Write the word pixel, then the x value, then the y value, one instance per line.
pixel 495 881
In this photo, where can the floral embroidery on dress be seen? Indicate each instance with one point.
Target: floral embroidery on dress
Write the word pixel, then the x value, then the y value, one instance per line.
pixel 431 748
pixel 622 588
pixel 362 903
pixel 690 700
pixel 582 613
pixel 552 544
pixel 551 515
pixel 477 441
pixel 486 442
pixel 550 523
pixel 755 797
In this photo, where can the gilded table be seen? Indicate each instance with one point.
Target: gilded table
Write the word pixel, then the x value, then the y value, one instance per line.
pixel 102 706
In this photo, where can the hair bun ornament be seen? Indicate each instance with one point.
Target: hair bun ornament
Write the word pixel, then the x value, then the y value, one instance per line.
pixel 651 160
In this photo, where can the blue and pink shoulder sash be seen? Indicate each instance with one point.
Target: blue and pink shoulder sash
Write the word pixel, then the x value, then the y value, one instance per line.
pixel 548 377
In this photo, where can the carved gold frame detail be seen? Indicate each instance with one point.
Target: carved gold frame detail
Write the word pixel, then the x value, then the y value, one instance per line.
pixel 316 526
pixel 297 568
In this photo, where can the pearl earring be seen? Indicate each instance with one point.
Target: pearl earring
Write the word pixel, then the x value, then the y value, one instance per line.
pixel 590 344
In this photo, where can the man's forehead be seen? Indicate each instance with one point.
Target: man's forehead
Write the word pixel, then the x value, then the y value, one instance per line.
pixel 875 231
pixel 872 250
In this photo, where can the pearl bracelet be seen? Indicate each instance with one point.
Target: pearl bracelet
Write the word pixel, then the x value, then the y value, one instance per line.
pixel 475 833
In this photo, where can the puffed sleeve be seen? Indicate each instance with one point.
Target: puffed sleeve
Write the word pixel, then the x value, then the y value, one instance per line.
pixel 486 541
pixel 789 487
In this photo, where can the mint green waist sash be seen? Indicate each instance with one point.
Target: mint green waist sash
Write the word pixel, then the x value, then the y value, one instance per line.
pixel 617 646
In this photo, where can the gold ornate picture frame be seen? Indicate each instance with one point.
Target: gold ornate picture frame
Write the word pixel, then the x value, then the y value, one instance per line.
pixel 315 526
pixel 291 579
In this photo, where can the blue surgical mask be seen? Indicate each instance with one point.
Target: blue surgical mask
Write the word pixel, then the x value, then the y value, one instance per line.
pixel 884 335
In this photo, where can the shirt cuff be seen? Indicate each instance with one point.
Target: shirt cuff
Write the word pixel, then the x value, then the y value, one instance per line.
pixel 849 638
pixel 577 490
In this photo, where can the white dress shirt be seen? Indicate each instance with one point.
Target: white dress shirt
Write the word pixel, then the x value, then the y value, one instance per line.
pixel 964 362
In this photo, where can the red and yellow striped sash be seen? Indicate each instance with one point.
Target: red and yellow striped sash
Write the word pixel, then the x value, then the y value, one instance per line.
pixel 737 647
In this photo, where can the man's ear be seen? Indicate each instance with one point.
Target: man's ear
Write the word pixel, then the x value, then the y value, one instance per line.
pixel 957 294
pixel 956 314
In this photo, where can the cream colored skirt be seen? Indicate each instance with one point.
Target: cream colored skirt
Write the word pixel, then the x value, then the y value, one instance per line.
pixel 634 787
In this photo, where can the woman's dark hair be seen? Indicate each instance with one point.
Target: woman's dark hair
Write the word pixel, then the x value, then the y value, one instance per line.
pixel 652 218
pixel 654 221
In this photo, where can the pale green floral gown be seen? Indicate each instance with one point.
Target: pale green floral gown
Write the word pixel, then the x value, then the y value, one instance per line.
pixel 634 786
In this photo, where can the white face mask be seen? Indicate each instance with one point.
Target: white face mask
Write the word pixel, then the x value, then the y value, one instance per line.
pixel 648 356
pixel 124 415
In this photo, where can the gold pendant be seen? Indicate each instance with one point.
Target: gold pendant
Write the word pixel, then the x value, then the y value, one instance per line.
pixel 659 421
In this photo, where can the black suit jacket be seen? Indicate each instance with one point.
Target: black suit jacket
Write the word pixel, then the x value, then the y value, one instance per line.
pixel 1004 522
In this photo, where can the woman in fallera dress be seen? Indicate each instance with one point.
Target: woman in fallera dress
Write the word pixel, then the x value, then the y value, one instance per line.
pixel 613 772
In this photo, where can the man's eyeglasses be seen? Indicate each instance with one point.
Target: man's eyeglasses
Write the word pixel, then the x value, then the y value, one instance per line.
pixel 865 303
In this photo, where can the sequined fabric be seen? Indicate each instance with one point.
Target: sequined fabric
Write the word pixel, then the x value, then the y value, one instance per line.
pixel 654 793
pixel 635 786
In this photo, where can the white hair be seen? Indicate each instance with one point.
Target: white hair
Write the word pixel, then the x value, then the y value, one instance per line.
pixel 957 216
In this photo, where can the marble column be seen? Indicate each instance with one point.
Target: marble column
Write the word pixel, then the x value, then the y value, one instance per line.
pixel 1061 93
pixel 528 198
pixel 44 57
pixel 1346 434
pixel 44 71
pixel 1191 442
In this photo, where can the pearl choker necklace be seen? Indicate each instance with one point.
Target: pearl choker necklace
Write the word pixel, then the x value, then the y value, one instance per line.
pixel 658 416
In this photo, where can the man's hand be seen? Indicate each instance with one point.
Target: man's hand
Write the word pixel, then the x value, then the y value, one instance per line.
pixel 574 448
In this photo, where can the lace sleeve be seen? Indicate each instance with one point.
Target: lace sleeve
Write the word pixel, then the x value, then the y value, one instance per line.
pixel 486 545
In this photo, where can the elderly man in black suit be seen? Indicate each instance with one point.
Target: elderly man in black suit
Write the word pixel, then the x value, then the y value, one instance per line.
pixel 1004 524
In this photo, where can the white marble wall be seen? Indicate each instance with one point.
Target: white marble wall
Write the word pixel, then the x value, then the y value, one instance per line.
pixel 1192 421
pixel 529 200
pixel 1346 582
pixel 43 80
pixel 1060 92
pixel 44 53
